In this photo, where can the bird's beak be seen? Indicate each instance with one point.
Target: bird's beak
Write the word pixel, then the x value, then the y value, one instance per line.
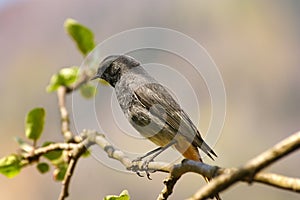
pixel 95 77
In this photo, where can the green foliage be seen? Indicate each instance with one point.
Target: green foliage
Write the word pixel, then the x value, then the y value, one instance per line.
pixel 52 155
pixel 123 196
pixel 86 154
pixel 34 123
pixel 88 91
pixel 65 77
pixel 23 145
pixel 10 166
pixel 43 167
pixel 60 171
pixel 83 37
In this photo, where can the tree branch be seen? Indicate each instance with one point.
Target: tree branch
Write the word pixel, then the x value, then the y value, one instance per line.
pixel 80 148
pixel 279 181
pixel 268 157
pixel 75 155
pixel 248 173
pixel 33 156
pixel 64 115
pixel 61 95
pixel 176 171
pixel 84 77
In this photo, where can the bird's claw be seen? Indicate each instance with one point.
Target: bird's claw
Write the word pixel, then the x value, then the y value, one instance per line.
pixel 144 167
pixel 138 159
pixel 139 174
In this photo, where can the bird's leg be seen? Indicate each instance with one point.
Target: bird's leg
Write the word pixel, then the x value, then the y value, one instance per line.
pixel 134 167
pixel 155 153
pixel 147 154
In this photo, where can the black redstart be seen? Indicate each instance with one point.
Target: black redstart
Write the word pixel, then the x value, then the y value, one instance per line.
pixel 150 108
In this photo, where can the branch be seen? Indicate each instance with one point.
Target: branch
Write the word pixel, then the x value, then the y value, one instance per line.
pixel 279 181
pixel 176 171
pixel 75 155
pixel 75 151
pixel 78 150
pixel 61 95
pixel 268 157
pixel 33 156
pixel 84 77
pixel 65 121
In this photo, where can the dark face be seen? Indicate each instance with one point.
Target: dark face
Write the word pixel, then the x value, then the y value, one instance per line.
pixel 112 68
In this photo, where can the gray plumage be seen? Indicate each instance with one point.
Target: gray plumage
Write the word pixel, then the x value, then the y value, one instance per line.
pixel 147 105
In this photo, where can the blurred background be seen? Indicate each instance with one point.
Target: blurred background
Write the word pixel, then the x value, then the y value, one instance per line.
pixel 255 45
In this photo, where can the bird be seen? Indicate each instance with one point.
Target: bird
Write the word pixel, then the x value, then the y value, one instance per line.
pixel 151 109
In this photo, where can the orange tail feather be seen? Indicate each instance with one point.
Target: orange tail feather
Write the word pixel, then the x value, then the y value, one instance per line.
pixel 192 153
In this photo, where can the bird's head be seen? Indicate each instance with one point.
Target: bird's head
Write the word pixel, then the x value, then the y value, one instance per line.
pixel 113 67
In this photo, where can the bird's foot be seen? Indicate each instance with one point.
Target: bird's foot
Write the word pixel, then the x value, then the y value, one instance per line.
pixel 138 159
pixel 144 167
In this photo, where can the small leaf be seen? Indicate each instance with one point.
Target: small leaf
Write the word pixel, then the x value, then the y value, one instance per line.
pixel 60 171
pixel 123 196
pixel 43 167
pixel 86 154
pixel 23 145
pixel 34 123
pixel 88 91
pixel 52 155
pixel 55 82
pixel 10 166
pixel 82 35
pixel 68 75
pixel 65 77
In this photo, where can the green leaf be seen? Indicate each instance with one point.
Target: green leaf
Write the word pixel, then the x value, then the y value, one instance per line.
pixel 43 167
pixel 83 36
pixel 52 155
pixel 88 91
pixel 60 171
pixel 65 77
pixel 86 154
pixel 10 166
pixel 123 196
pixel 34 123
pixel 23 145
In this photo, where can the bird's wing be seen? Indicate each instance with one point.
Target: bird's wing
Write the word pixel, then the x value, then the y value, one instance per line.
pixel 155 98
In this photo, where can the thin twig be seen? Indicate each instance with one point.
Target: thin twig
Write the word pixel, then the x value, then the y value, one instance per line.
pixel 279 181
pixel 68 135
pixel 178 170
pixel 75 155
pixel 28 158
pixel 65 121
pixel 66 182
pixel 83 78
pixel 61 95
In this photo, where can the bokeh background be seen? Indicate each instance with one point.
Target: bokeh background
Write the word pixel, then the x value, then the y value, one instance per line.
pixel 254 43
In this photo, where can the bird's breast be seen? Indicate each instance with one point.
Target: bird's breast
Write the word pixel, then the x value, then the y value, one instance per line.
pixel 126 86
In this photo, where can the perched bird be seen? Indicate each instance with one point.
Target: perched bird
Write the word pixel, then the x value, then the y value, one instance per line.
pixel 151 109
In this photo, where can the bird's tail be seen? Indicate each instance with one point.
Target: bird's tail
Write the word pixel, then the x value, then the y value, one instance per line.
pixel 217 196
pixel 191 152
